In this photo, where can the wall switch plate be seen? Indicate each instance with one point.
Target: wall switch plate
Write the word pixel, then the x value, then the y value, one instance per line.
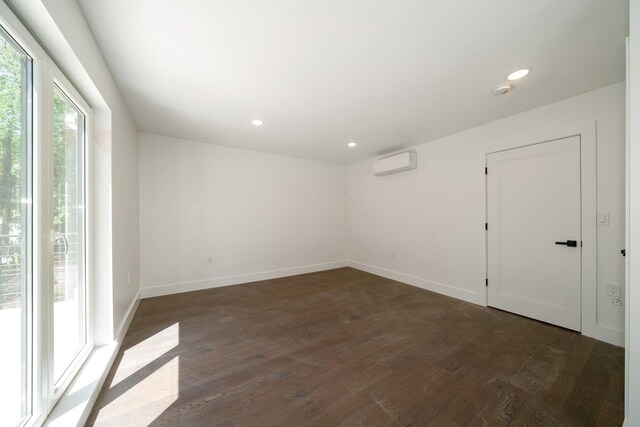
pixel 603 218
pixel 613 289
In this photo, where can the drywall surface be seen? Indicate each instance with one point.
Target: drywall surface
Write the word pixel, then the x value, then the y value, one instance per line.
pixel 423 226
pixel 213 215
pixel 125 221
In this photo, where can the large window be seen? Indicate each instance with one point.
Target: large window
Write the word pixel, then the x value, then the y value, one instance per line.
pixel 15 231
pixel 69 308
pixel 44 285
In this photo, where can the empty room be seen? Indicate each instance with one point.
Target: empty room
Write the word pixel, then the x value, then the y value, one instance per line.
pixel 319 213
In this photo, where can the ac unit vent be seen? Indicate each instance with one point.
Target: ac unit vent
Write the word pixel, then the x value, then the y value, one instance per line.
pixel 396 163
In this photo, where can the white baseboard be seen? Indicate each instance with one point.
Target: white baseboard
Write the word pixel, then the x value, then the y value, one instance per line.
pixel 441 288
pixel 604 333
pixel 124 325
pixel 599 332
pixel 176 288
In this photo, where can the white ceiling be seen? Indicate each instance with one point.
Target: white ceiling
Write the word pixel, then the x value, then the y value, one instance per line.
pixel 386 74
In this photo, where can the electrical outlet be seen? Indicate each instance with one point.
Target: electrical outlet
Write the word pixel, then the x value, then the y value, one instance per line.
pixel 613 289
pixel 616 302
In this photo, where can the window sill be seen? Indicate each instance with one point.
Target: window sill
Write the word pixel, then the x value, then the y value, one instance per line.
pixel 75 404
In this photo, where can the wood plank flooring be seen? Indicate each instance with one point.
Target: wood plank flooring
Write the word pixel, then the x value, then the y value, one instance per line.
pixel 344 347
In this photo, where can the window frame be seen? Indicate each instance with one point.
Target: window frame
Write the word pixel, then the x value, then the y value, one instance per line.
pixel 27 315
pixel 45 75
pixel 57 389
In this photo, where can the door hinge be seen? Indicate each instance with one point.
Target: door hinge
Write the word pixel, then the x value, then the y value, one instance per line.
pixel 486 171
pixel 486 282
pixel 486 225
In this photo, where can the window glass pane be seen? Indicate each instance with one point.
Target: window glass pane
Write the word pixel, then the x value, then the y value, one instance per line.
pixel 15 231
pixel 68 223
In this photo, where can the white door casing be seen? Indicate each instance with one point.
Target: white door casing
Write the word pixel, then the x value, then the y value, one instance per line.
pixel 534 201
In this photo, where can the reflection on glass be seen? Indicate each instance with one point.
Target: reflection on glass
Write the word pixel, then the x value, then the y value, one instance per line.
pixel 15 232
pixel 68 223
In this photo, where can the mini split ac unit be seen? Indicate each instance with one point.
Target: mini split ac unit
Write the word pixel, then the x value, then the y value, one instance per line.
pixel 396 163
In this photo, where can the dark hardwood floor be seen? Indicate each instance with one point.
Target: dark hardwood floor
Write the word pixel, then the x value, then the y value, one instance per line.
pixel 344 347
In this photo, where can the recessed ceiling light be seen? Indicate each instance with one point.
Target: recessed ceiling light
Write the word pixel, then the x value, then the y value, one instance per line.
pixel 516 75
pixel 257 122
pixel 351 144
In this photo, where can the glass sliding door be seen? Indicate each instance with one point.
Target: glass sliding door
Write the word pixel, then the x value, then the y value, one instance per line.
pixel 15 232
pixel 69 290
pixel 45 309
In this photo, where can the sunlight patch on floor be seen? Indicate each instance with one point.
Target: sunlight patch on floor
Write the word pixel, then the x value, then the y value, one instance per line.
pixel 147 351
pixel 165 383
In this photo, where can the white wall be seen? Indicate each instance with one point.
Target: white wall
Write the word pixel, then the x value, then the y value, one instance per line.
pixel 125 217
pixel 432 218
pixel 63 31
pixel 257 215
pixel 632 395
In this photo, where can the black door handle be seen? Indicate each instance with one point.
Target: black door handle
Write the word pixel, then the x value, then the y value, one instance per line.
pixel 569 243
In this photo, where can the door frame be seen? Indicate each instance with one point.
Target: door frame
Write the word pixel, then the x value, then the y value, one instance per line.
pixel 541 149
pixel 588 189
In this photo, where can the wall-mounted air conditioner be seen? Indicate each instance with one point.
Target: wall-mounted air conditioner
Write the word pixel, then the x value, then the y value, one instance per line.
pixel 396 163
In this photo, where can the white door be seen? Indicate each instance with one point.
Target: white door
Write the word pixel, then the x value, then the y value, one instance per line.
pixel 534 243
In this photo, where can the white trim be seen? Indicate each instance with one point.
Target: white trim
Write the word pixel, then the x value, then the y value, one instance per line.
pixel 607 334
pixel 588 141
pixel 39 237
pixel 627 234
pixel 56 79
pixel 74 407
pixel 589 174
pixel 216 282
pixel 124 325
pixel 632 288
pixel 430 285
pixel 129 317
